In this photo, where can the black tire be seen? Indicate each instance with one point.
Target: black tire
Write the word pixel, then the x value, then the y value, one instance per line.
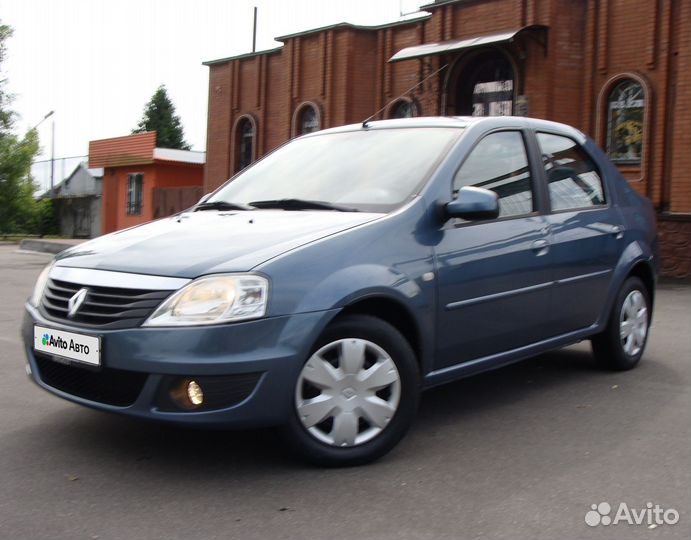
pixel 608 348
pixel 383 335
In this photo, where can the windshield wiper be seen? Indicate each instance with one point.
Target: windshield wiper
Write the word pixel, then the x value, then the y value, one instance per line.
pixel 300 204
pixel 222 205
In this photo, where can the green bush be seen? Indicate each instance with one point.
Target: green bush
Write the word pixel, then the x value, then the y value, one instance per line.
pixel 45 221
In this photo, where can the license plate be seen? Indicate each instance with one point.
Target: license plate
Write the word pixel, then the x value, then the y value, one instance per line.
pixel 77 347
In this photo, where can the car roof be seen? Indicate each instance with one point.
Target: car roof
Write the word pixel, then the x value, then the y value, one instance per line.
pixel 483 122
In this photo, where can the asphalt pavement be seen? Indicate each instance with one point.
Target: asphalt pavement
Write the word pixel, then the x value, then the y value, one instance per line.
pixel 521 452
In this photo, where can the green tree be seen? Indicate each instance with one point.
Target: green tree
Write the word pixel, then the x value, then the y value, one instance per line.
pixel 159 116
pixel 6 115
pixel 17 205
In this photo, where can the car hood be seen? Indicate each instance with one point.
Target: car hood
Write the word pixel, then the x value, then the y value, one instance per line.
pixel 195 243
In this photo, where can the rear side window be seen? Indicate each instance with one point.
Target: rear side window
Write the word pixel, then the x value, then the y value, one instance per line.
pixel 573 179
pixel 499 163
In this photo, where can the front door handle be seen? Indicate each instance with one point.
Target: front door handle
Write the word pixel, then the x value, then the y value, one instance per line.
pixel 618 232
pixel 540 247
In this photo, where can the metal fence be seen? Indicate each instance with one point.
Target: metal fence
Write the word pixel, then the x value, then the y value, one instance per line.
pixel 62 168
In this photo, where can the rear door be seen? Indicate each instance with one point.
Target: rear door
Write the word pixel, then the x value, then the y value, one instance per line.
pixel 494 276
pixel 586 232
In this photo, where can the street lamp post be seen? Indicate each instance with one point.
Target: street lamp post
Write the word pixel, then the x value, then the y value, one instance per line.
pixel 48 115
pixel 52 147
pixel 52 158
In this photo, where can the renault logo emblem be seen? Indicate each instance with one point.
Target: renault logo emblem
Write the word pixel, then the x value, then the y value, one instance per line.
pixel 74 303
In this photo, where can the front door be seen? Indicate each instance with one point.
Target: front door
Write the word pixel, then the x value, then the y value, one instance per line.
pixel 494 276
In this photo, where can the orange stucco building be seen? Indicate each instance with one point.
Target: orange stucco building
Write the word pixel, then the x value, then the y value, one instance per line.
pixel 142 182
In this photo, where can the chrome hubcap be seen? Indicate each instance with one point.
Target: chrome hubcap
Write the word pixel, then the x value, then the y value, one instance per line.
pixel 347 392
pixel 633 323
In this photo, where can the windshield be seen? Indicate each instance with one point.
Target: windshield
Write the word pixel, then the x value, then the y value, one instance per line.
pixel 371 171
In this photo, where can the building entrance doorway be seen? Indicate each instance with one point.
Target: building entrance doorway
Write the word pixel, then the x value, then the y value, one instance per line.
pixel 482 86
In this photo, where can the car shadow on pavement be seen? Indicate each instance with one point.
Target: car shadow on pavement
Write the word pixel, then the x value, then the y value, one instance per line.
pixel 465 405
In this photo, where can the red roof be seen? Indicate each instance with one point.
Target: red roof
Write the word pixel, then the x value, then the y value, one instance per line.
pixel 137 149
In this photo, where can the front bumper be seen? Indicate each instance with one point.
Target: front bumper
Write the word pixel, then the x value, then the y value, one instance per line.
pixel 263 357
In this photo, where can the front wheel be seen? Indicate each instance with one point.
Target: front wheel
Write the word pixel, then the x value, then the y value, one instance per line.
pixel 356 394
pixel 621 345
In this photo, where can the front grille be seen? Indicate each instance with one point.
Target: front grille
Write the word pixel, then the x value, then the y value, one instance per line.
pixel 108 308
pixel 110 386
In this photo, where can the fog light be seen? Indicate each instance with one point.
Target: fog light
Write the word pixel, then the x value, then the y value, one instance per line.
pixel 187 394
pixel 194 393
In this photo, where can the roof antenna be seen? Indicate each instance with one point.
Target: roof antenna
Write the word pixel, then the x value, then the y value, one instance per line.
pixel 364 123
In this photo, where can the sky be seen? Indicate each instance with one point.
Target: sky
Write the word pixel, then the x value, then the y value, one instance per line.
pixel 96 63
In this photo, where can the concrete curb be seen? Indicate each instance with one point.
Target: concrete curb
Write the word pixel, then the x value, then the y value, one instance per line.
pixel 44 246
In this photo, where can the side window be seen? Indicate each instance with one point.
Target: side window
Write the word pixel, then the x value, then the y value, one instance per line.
pixel 499 162
pixel 572 177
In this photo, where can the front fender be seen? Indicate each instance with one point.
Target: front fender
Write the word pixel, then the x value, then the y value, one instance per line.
pixel 347 285
pixel 353 284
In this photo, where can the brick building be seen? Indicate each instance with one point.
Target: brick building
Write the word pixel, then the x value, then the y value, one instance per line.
pixel 142 182
pixel 620 70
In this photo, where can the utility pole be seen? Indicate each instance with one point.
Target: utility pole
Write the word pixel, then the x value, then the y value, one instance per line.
pixel 254 31
pixel 52 159
pixel 48 115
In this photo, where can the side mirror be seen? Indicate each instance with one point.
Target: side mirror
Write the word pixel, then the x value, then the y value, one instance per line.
pixel 473 203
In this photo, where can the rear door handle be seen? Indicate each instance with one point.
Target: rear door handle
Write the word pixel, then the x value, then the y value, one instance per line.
pixel 618 232
pixel 540 247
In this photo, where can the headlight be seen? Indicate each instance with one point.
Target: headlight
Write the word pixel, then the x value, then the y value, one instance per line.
pixel 41 282
pixel 214 300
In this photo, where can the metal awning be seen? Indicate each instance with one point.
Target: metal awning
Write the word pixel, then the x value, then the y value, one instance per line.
pixel 430 49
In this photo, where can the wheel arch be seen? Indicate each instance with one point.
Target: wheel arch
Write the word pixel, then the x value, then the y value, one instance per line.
pixel 637 259
pixel 644 272
pixel 397 314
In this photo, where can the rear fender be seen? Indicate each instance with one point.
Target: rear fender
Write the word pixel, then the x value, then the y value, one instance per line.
pixel 634 253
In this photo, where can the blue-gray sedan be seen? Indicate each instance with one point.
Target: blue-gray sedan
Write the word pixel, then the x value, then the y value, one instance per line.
pixel 323 287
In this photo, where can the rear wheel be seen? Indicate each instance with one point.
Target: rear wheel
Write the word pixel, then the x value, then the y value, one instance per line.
pixel 621 345
pixel 356 394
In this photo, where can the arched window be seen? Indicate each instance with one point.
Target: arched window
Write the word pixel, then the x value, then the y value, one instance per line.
pixel 625 114
pixel 245 142
pixel 306 119
pixel 403 108
pixel 309 120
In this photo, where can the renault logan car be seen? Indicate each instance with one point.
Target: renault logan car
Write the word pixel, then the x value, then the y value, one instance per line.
pixel 328 284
